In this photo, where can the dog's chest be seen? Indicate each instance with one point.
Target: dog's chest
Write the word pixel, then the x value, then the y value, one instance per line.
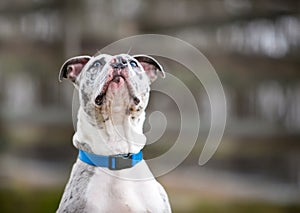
pixel 106 193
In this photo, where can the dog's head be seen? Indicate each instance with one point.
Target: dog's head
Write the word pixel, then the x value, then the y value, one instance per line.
pixel 103 78
pixel 113 90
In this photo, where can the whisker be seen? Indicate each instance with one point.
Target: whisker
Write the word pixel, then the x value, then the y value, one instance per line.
pixel 129 51
pixel 98 53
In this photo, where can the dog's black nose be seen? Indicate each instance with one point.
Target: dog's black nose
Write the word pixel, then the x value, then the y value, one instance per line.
pixel 120 63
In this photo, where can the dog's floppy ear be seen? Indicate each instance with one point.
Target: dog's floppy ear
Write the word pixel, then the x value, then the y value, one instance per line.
pixel 151 66
pixel 72 67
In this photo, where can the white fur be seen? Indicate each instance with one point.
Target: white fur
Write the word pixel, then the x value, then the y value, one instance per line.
pixel 107 192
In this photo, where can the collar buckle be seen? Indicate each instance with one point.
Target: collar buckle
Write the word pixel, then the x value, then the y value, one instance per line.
pixel 118 162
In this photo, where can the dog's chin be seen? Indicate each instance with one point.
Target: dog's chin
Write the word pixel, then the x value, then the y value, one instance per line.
pixel 117 83
pixel 112 89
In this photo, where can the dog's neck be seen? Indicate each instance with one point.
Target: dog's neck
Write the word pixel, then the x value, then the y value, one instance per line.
pixel 117 134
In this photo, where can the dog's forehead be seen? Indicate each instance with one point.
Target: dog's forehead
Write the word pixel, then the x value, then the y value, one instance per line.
pixel 102 57
pixel 106 58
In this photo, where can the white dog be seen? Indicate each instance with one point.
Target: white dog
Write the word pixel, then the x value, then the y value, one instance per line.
pixel 113 94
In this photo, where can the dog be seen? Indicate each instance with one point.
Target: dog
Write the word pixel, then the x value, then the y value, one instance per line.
pixel 113 94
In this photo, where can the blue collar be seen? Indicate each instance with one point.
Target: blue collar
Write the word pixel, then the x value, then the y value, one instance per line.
pixel 113 162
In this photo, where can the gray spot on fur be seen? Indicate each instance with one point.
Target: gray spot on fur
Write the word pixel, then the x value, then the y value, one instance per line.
pixel 84 96
pixel 84 147
pixel 74 199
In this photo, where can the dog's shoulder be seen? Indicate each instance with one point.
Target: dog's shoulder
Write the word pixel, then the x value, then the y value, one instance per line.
pixel 74 196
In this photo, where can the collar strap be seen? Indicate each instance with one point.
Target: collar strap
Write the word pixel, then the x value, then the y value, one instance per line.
pixel 113 162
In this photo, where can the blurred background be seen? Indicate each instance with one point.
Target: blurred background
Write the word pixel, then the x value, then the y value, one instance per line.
pixel 254 47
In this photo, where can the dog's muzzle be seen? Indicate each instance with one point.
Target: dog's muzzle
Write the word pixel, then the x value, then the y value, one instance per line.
pixel 119 72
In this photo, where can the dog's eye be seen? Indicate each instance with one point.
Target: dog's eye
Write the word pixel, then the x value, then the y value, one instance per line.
pixel 133 64
pixel 97 64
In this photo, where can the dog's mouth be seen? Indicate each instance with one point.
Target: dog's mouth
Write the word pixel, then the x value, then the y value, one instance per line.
pixel 116 80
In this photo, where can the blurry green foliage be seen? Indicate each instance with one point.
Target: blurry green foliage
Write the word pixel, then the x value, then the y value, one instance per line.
pixel 29 201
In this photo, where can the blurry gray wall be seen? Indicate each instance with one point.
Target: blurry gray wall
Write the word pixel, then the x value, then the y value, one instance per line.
pixel 253 45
